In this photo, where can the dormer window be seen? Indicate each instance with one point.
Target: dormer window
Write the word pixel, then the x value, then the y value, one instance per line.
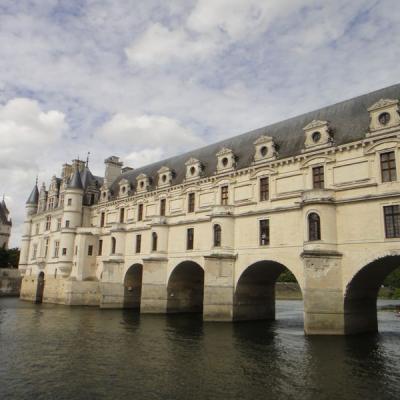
pixel 193 169
pixel 318 135
pixel 226 160
pixel 265 149
pixel 143 183
pixel 384 114
pixel 124 187
pixel 164 177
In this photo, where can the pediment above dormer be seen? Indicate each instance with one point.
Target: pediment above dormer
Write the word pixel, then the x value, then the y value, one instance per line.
pixel 383 103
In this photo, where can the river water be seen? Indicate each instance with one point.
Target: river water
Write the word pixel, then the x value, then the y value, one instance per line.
pixel 57 352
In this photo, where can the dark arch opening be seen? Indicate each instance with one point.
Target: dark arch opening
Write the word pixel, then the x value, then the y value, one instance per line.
pixel 254 297
pixel 186 288
pixel 360 301
pixel 133 286
pixel 40 288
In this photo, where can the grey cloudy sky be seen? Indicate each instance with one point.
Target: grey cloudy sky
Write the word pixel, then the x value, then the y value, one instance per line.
pixel 146 79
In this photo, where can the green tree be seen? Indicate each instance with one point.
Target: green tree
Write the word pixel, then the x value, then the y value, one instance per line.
pixel 393 279
pixel 9 258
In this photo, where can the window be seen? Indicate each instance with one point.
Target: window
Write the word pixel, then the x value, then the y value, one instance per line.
pixel 91 199
pixel 48 222
pixel 121 215
pixel 90 250
pixel 314 227
pixel 318 177
pixel 69 202
pixel 100 250
pixel 37 229
pixel 76 250
pixel 102 219
pixel 61 200
pixel 190 239
pixel 162 207
pixel 264 232
pixel 224 195
pixel 64 251
pixel 46 247
pixel 51 203
pixel 264 189
pixel 113 245
pixel 392 221
pixel 217 235
pixel 138 243
pixel 34 252
pixel 59 224
pixel 56 248
pixel 140 212
pixel 388 166
pixel 154 241
pixel 191 202
pixel 67 223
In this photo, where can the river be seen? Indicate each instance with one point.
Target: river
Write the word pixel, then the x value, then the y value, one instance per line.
pixel 57 352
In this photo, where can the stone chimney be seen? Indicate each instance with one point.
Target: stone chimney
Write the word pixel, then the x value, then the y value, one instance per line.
pixel 113 169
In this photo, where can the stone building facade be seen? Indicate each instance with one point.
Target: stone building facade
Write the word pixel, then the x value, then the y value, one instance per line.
pixel 210 231
pixel 5 225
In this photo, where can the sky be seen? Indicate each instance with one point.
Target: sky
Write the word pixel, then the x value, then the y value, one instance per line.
pixel 148 79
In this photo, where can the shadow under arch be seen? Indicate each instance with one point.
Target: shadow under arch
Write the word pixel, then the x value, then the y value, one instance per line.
pixel 40 288
pixel 254 297
pixel 360 298
pixel 185 288
pixel 133 286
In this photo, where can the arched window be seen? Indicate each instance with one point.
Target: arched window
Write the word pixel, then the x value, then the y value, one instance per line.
pixel 217 235
pixel 314 227
pixel 113 245
pixel 154 241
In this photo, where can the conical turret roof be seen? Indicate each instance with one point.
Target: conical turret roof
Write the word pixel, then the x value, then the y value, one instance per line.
pixel 34 196
pixel 76 181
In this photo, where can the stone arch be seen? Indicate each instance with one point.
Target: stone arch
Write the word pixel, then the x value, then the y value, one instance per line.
pixel 361 293
pixel 133 286
pixel 254 296
pixel 40 288
pixel 185 288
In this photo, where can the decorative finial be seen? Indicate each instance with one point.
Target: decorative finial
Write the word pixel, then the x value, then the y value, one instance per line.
pixel 37 179
pixel 87 159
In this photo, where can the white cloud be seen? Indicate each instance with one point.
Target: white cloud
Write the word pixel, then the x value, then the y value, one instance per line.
pixel 144 157
pixel 142 131
pixel 159 45
pixel 25 127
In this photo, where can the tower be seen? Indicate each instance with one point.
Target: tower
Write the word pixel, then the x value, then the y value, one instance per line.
pixel 31 208
pixel 72 219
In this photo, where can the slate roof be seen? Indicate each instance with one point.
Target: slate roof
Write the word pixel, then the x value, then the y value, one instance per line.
pixel 4 214
pixel 34 196
pixel 76 181
pixel 349 120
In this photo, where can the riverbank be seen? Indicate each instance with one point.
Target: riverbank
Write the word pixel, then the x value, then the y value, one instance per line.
pixel 10 282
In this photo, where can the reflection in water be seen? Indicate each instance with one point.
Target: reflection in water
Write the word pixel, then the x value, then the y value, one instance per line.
pixel 51 351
